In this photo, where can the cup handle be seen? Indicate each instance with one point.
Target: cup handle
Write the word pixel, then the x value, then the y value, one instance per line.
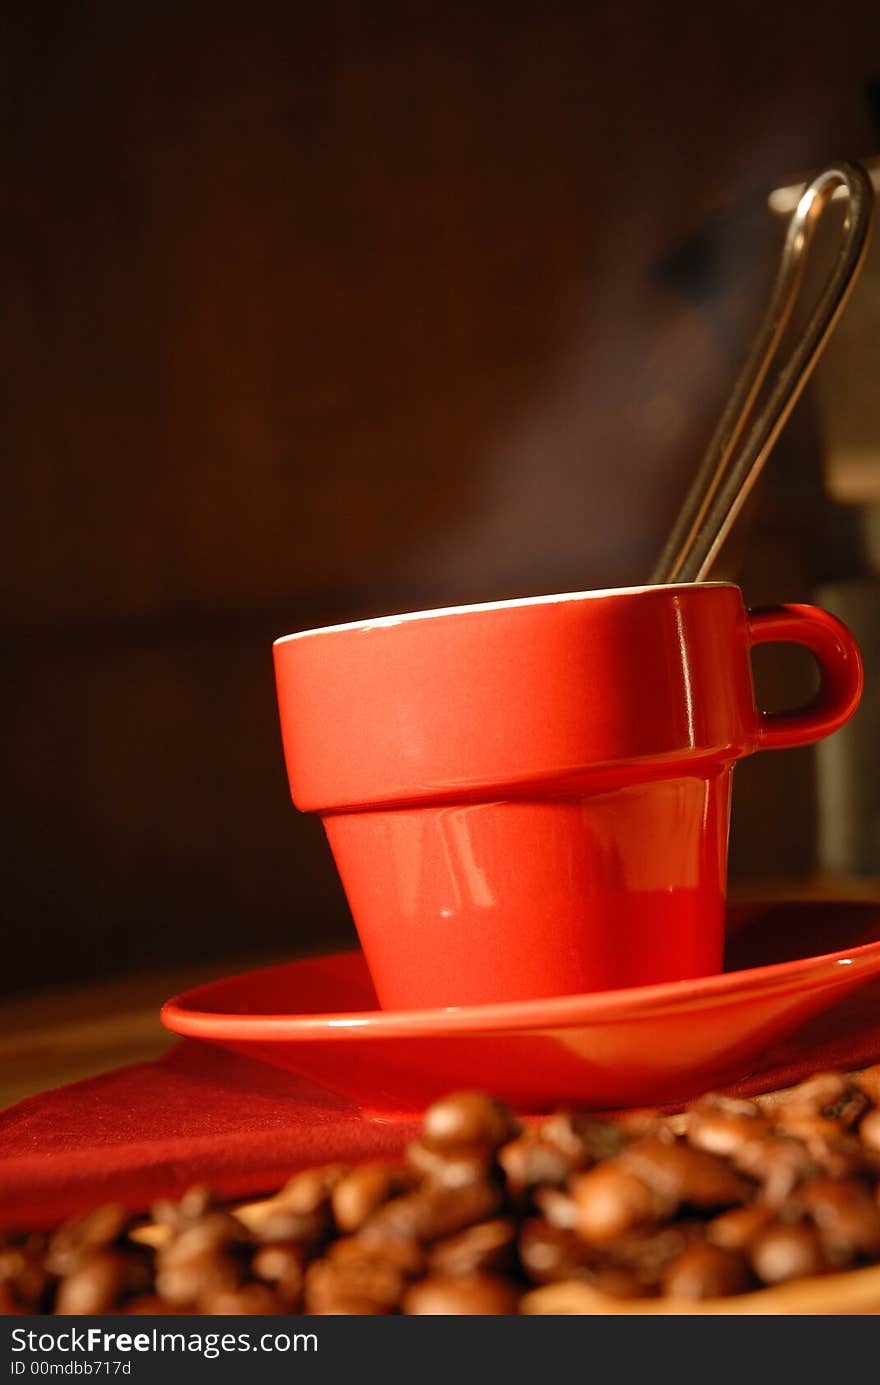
pixel 840 668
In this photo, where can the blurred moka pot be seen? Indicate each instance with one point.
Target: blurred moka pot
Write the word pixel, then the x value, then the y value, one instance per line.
pixel 845 396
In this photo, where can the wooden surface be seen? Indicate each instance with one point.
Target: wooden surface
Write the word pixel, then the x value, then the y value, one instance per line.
pixel 62 1034
pixel 855 1293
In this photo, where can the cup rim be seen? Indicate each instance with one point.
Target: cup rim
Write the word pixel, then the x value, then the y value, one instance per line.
pixel 510 603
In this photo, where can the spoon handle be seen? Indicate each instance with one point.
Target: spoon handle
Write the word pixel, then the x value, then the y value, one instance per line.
pixel 740 445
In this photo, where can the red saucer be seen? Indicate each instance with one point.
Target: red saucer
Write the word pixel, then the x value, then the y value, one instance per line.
pixel 783 990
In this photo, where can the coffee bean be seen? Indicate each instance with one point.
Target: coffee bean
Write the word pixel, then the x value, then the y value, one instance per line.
pixel 530 1160
pixel 211 1232
pixel 462 1295
pixel 306 1228
pixel 23 1276
pixel 9 1304
pixel 635 1125
pixel 814 1129
pixel 310 1190
pixel 151 1305
pixel 432 1212
pixel 784 1252
pixel 248 1299
pixel 720 1104
pixel 206 1256
pixel 582 1140
pixel 490 1245
pixel 611 1199
pixel 684 1175
pixel 164 1213
pixel 139 1267
pixel 868 1081
pixel 342 1306
pixel 846 1215
pixel 357 1194
pixel 548 1253
pixel 648 1251
pixel 185 1283
pixel 737 1229
pixel 452 1166
pixel 406 1256
pixel 778 1164
pixel 721 1125
pixel 195 1202
pixel 559 1207
pixel 706 1271
pixel 619 1283
pixel 77 1239
pixel 282 1265
pixel 829 1094
pixel 843 1157
pixel 820 1090
pixel 830 1099
pixel 469 1118
pixel 869 1131
pixel 95 1286
pixel 632 1207
pixel 301 1210
pixel 370 1280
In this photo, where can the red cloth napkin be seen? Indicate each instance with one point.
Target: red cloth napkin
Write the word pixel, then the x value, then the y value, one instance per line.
pixel 197 1114
pixel 200 1114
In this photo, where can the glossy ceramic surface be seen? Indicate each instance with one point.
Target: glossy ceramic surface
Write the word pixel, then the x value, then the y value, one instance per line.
pixel 521 899
pixel 532 798
pixel 792 971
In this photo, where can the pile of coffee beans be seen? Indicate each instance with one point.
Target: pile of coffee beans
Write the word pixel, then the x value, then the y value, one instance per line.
pixel 728 1198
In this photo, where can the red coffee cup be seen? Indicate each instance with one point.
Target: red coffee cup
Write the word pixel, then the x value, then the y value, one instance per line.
pixel 532 798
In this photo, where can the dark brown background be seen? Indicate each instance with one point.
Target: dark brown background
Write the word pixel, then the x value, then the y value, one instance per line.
pixel 311 312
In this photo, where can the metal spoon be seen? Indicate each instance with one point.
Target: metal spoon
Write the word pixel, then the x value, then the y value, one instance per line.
pixel 740 446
